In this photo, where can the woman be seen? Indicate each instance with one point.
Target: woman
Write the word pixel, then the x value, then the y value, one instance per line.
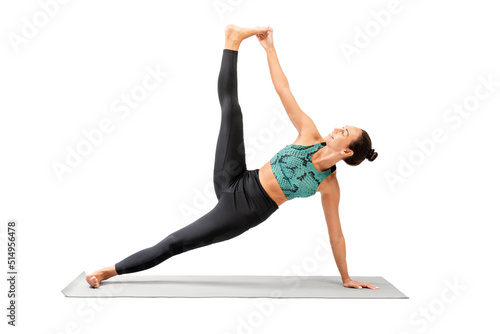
pixel 247 198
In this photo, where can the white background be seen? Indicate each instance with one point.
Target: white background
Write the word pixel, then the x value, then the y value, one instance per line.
pixel 135 187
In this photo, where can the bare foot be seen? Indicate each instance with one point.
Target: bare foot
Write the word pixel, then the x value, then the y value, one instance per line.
pixel 95 279
pixel 235 35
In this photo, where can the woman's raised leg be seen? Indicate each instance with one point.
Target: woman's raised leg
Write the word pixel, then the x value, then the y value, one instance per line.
pixel 230 150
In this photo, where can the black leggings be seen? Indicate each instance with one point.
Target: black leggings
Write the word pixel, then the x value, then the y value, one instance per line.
pixel 242 201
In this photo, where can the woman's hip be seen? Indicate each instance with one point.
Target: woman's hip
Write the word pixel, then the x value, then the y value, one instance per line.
pixel 246 194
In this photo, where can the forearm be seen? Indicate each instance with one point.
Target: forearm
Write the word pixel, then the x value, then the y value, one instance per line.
pixel 279 79
pixel 339 253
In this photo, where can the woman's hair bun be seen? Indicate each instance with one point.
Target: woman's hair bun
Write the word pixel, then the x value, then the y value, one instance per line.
pixel 371 155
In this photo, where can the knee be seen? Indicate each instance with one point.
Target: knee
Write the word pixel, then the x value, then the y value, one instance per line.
pixel 167 244
pixel 231 107
pixel 173 245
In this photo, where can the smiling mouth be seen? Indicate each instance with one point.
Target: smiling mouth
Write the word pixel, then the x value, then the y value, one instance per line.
pixel 331 136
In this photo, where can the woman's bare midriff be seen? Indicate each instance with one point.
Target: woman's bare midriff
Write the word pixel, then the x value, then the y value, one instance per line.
pixel 271 185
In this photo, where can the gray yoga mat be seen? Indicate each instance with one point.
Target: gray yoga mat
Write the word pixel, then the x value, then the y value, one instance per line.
pixel 189 286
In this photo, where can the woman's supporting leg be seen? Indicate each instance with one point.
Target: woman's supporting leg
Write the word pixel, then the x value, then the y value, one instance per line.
pixel 233 215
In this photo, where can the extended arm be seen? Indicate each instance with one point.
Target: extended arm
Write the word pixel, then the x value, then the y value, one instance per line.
pixel 278 77
pixel 302 122
pixel 330 198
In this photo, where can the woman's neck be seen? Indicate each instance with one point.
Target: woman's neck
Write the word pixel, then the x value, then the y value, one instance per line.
pixel 324 158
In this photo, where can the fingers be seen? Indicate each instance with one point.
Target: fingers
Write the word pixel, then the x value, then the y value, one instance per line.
pixel 361 285
pixel 371 286
pixel 367 285
pixel 268 31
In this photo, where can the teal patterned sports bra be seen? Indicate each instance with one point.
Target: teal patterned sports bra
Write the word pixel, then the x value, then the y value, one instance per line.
pixel 293 168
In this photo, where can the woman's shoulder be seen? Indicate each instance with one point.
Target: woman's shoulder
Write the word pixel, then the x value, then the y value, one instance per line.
pixel 330 184
pixel 308 140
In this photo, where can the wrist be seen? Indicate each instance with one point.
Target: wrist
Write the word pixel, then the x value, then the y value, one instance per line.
pixel 345 279
pixel 270 49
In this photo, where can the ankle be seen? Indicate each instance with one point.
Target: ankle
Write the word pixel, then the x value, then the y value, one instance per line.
pixel 232 45
pixel 104 274
pixel 109 272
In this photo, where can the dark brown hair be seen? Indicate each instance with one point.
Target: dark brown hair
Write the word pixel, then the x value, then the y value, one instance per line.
pixel 362 148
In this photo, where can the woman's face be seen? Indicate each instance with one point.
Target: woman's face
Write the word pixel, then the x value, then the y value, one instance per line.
pixel 340 138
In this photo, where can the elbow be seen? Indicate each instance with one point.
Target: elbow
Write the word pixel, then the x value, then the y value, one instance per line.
pixel 281 85
pixel 282 88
